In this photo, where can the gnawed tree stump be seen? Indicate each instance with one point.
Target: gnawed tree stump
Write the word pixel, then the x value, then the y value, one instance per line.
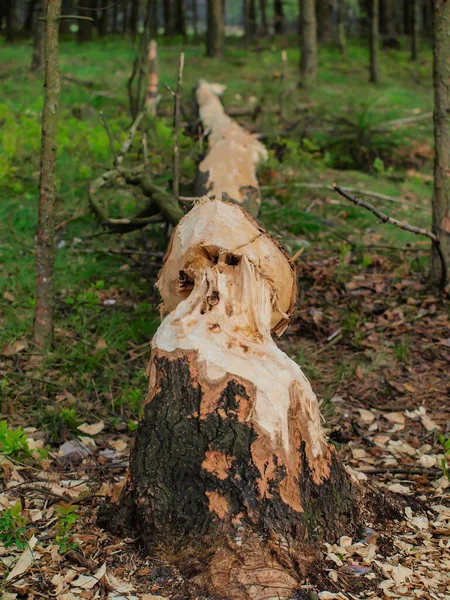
pixel 230 473
pixel 228 171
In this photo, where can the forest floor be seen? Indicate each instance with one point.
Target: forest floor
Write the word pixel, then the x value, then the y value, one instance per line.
pixel 370 334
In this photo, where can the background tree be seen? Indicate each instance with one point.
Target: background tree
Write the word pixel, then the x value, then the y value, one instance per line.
pixel 86 8
pixel 215 34
pixel 43 315
pixel 374 41
pixel 37 59
pixel 278 17
pixel 263 13
pixel 415 29
pixel 441 77
pixel 308 42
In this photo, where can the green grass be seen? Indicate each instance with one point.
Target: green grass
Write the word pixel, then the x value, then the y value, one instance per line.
pixel 91 355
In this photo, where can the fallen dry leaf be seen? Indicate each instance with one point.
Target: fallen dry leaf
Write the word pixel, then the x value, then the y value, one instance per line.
pixel 15 348
pixel 25 560
pixel 93 429
pixel 87 582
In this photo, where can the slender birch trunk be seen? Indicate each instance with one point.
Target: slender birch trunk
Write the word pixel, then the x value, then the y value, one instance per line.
pixel 43 315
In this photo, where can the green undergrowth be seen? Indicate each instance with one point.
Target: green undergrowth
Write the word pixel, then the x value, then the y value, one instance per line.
pixel 106 307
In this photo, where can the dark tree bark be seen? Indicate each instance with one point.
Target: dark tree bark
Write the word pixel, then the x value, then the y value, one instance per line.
pixel 324 16
pixel 180 18
pixel 249 17
pixel 415 29
pixel 134 18
pixel 37 59
pixel 195 18
pixel 115 18
pixel 215 35
pixel 278 17
pixel 263 13
pixel 427 15
pixel 374 42
pixel 308 43
pixel 43 314
pixel 124 4
pixel 29 19
pixel 169 17
pixel 103 19
pixel 340 25
pixel 407 17
pixel 441 76
pixel 68 7
pixel 389 19
pixel 7 11
pixel 242 488
pixel 86 8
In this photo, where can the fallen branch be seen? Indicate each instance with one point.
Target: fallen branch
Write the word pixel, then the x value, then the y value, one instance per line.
pixel 401 225
pixel 321 186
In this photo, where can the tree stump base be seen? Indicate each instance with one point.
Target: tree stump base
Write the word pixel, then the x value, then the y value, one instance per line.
pixel 230 473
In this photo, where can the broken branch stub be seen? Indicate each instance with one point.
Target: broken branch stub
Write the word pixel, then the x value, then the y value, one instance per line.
pixel 228 171
pixel 230 468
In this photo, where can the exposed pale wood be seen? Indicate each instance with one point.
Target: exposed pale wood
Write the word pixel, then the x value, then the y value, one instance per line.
pixel 229 169
pixel 230 467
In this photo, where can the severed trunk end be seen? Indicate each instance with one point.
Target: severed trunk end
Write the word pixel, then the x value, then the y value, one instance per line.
pixel 230 473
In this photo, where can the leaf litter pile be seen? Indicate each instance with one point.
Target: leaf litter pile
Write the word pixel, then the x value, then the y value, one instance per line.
pixel 376 347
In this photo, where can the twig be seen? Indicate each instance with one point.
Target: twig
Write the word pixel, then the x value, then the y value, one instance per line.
pixel 176 144
pixel 396 122
pixel 321 186
pixel 402 225
pixel 130 137
pixel 110 138
pixel 71 79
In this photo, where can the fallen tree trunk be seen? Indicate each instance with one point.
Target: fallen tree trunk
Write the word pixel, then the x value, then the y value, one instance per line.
pixel 230 473
pixel 228 171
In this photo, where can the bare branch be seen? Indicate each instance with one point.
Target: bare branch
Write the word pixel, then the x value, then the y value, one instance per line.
pixel 129 140
pixel 401 225
pixel 321 186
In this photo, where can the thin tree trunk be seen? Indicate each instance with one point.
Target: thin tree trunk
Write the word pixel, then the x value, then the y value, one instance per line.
pixel 37 59
pixel 407 17
pixel 195 19
pixel 308 42
pixel 115 15
pixel 340 25
pixel 85 27
pixel 278 17
pixel 153 82
pixel 102 22
pixel 263 12
pixel 441 197
pixel 230 468
pixel 374 42
pixel 180 18
pixel 324 17
pixel 169 17
pixel 67 8
pixel 124 17
pixel 134 18
pixel 29 20
pixel 415 30
pixel 43 315
pixel 215 34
